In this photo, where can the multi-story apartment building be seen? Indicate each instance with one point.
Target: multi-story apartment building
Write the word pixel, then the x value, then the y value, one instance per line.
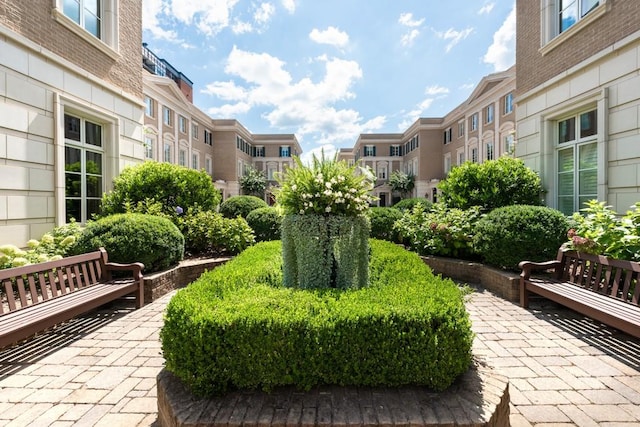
pixel 71 111
pixel 177 131
pixel 481 128
pixel 578 99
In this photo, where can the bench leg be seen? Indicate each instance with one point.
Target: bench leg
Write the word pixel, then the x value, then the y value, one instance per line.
pixel 140 295
pixel 524 295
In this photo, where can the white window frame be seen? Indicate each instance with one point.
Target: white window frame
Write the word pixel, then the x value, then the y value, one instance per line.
pixel 460 156
pixel 183 152
pixel 447 163
pixel 195 160
pixel 508 103
pixel 167 152
pixel 551 36
pixel 208 165
pixel 369 150
pixel 474 122
pixel 489 150
pixel 208 137
pixel 285 151
pixel 149 110
pixel 167 114
pixel 489 110
pixel 182 124
pixel 195 130
pixel 149 144
pixel 382 169
pixel 447 135
pixel 460 129
pixel 474 154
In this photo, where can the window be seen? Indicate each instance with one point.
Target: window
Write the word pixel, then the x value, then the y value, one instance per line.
pixel 86 13
pixel 182 157
pixel 167 152
pixel 508 103
pixel 460 129
pixel 208 137
pixel 382 171
pixel 571 11
pixel 489 114
pixel 474 154
pixel 567 16
pixel 271 172
pixel 509 144
pixel 394 151
pixel 195 161
pixel 84 165
pixel 207 165
pixel 474 122
pixel 149 107
pixel 577 161
pixel 95 21
pixel 489 154
pixel 460 157
pixel 166 116
pixel 148 147
pixel 369 151
pixel 195 130
pixel 447 163
pixel 447 136
pixel 285 151
pixel 258 151
pixel 182 124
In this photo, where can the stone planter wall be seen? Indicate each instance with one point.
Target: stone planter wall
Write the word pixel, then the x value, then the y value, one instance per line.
pixel 163 282
pixel 502 283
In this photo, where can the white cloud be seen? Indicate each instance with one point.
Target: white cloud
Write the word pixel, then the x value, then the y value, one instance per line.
pixel 151 9
pixel 501 53
pixel 240 27
pixel 408 38
pixel 209 16
pixel 436 90
pixel 290 5
pixel 328 150
pixel 486 8
pixel 454 36
pixel 331 36
pixel 305 105
pixel 264 13
pixel 407 20
pixel 432 93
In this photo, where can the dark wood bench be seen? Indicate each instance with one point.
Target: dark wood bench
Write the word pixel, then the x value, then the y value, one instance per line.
pixel 602 288
pixel 39 296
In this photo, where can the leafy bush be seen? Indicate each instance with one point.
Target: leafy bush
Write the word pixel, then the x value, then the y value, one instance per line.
pixel 240 206
pixel 601 231
pixel 441 231
pixel 401 182
pixel 253 182
pixel 208 232
pixel 382 222
pixel 408 204
pixel 492 184
pixel 154 241
pixel 160 189
pixel 508 235
pixel 237 327
pixel 266 223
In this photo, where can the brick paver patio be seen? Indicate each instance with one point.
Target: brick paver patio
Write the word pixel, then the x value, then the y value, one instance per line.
pixel 101 369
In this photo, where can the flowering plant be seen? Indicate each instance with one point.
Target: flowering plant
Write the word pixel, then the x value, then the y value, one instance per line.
pixel 325 187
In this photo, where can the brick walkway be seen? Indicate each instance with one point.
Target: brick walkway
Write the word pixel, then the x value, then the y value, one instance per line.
pixel 100 369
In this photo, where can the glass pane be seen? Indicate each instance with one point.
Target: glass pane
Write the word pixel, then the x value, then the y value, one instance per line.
pixel 94 163
pixel 92 6
pixel 71 127
pixel 72 184
pixel 568 14
pixel 72 158
pixel 72 10
pixel 588 6
pixel 588 156
pixel 73 210
pixel 565 160
pixel 565 205
pixel 565 184
pixel 588 124
pixel 94 134
pixel 583 200
pixel 588 183
pixel 93 207
pixel 94 186
pixel 567 130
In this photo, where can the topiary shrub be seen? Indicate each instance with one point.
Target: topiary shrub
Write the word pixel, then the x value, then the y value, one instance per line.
pixel 491 184
pixel 154 241
pixel 382 221
pixel 237 327
pixel 208 233
pixel 160 189
pixel 508 235
pixel 266 223
pixel 240 206
pixel 408 204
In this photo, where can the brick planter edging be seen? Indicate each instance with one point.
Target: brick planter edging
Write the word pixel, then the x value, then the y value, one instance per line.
pixel 480 397
pixel 505 284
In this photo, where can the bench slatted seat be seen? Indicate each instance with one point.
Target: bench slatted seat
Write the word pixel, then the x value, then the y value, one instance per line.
pixel 39 296
pixel 599 287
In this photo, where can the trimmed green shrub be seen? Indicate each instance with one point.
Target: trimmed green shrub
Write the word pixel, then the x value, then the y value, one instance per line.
pixel 442 231
pixel 237 327
pixel 152 240
pixel 208 232
pixel 491 184
pixel 160 189
pixel 240 206
pixel 266 223
pixel 382 222
pixel 408 204
pixel 508 235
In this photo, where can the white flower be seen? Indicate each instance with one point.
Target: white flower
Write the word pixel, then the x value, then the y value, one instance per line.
pixel 327 209
pixel 301 211
pixel 327 184
pixel 327 192
pixel 294 187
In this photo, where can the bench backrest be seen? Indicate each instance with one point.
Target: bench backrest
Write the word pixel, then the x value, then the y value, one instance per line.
pixel 615 278
pixel 21 287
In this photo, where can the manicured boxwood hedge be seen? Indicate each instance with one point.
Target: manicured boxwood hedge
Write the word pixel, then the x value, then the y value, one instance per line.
pixel 237 327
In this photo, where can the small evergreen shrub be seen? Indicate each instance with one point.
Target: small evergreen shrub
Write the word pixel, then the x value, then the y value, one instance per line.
pixel 382 223
pixel 208 232
pixel 266 223
pixel 508 235
pixel 491 184
pixel 237 327
pixel 154 241
pixel 240 206
pixel 160 189
pixel 408 204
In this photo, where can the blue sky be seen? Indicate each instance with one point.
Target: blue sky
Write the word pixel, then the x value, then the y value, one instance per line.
pixel 328 70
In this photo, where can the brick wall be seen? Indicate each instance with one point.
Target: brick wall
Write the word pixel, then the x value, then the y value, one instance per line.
pixel 533 69
pixel 33 19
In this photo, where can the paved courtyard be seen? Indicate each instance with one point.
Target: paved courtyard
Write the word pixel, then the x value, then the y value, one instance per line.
pixel 99 370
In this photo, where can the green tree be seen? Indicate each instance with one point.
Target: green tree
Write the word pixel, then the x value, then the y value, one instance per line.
pixel 253 182
pixel 402 183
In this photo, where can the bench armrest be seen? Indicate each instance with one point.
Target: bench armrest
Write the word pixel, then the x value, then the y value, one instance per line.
pixel 530 266
pixel 134 267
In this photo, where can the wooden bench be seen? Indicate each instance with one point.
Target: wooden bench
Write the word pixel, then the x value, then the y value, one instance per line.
pixel 39 296
pixel 602 288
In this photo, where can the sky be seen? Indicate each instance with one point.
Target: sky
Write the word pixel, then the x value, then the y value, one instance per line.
pixel 329 70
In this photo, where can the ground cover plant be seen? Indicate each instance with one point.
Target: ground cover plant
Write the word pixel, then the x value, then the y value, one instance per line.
pixel 238 327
